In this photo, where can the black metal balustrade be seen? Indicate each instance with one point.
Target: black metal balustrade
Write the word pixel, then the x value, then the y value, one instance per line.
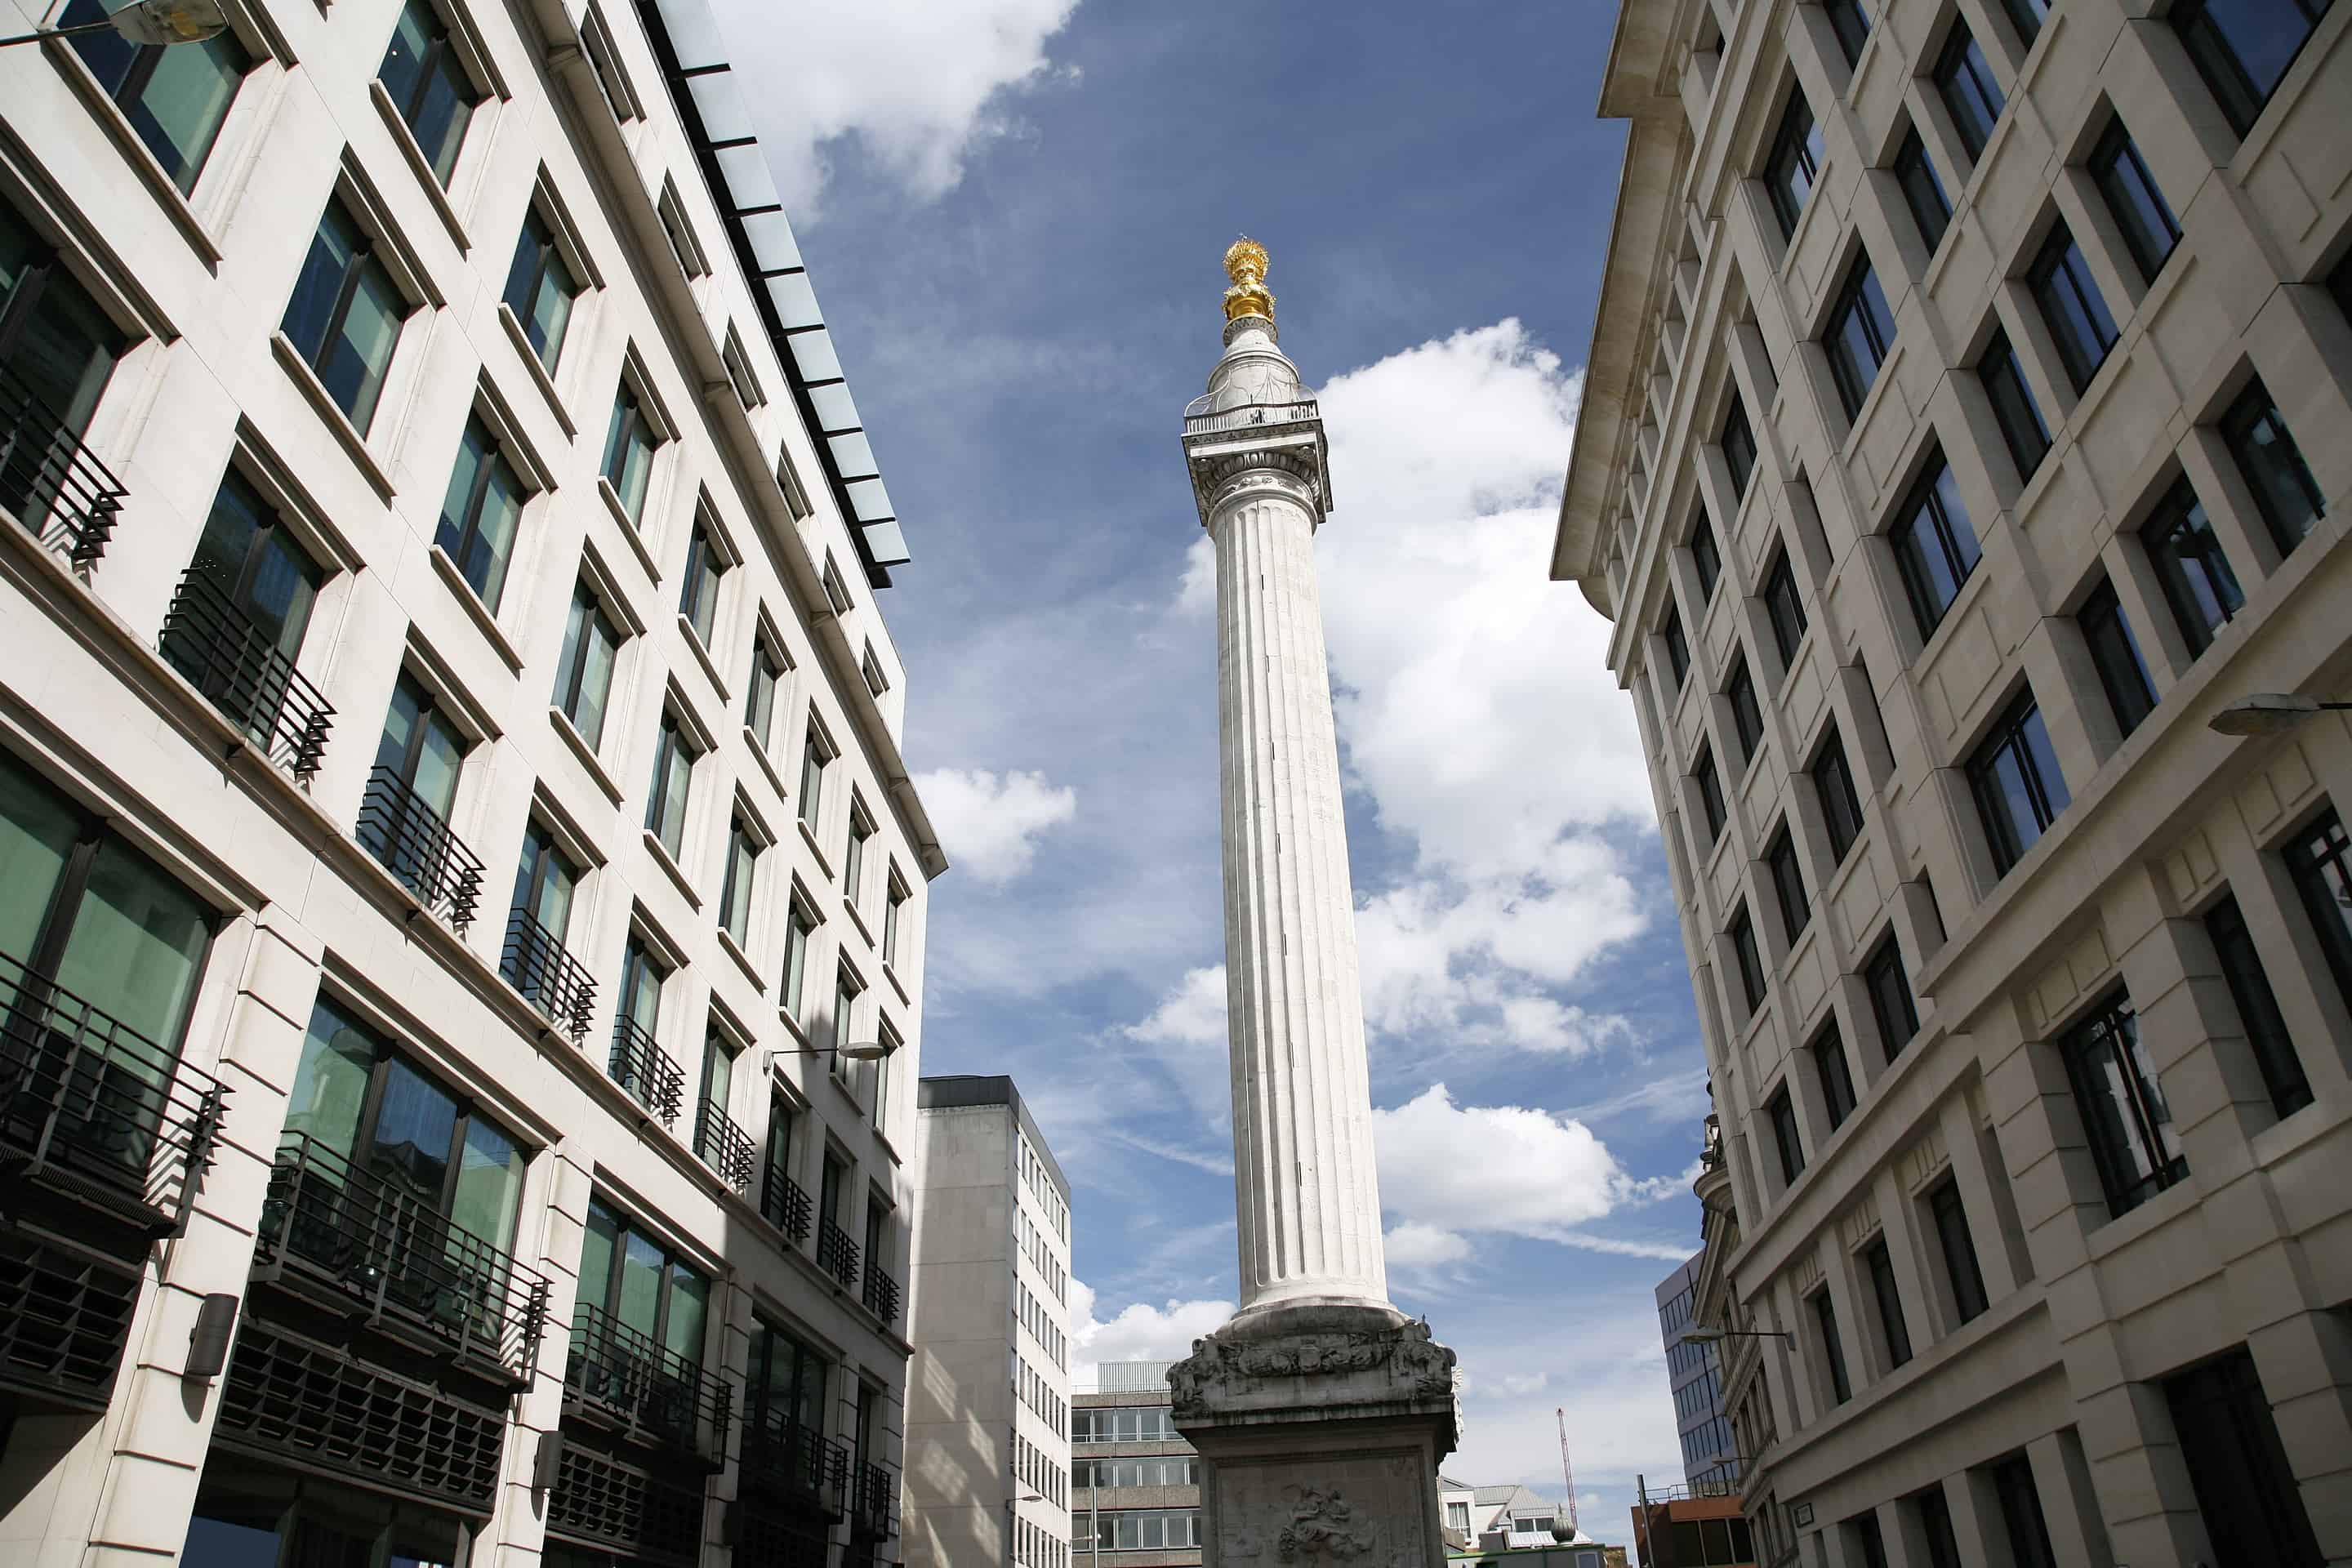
pixel 1219 411
pixel 881 1292
pixel 875 1508
pixel 782 1459
pixel 411 842
pixel 93 1108
pixel 724 1147
pixel 61 493
pixel 534 962
pixel 348 1233
pixel 628 1379
pixel 836 1254
pixel 646 1071
pixel 785 1204
pixel 240 669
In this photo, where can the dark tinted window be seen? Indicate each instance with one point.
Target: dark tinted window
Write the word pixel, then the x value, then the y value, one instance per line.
pixel 2258 1008
pixel 1923 193
pixel 2071 305
pixel 1840 806
pixel 1860 329
pixel 2016 779
pixel 1832 1348
pixel 2229 1441
pixel 1880 1266
pixel 2123 676
pixel 1677 646
pixel 1969 92
pixel 2243 47
pixel 1710 794
pixel 1891 1004
pixel 2321 861
pixel 2026 17
pixel 1789 885
pixel 2125 1116
pixel 175 98
pixel 1738 448
pixel 2148 228
pixel 2020 1513
pixel 1850 25
pixel 1795 163
pixel 1837 1080
pixel 1784 609
pixel 2198 583
pixel 1934 1512
pixel 1934 544
pixel 1959 1248
pixel 2273 467
pixel 1704 556
pixel 1751 965
pixel 1747 720
pixel 1783 1116
pixel 2013 409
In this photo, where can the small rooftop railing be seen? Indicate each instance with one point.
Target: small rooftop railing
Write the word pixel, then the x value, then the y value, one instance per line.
pixel 60 492
pixel 1202 417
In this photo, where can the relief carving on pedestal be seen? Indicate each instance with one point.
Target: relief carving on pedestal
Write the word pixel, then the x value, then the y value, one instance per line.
pixel 1223 1366
pixel 1321 1528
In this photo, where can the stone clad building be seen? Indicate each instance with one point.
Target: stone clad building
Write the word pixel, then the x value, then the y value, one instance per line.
pixel 1135 1494
pixel 451 811
pixel 1966 429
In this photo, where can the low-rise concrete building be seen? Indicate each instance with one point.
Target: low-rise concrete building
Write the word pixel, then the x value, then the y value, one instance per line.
pixel 1135 1483
pixel 988 1405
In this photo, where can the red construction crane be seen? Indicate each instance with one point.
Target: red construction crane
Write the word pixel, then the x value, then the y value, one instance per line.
pixel 1567 1471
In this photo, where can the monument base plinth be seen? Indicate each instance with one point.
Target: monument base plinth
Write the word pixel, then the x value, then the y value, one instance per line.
pixel 1320 1426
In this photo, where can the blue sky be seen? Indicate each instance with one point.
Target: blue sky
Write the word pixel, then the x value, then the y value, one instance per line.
pixel 1013 211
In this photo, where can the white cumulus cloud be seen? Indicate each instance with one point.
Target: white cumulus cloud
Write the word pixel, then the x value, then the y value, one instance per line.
pixel 1416 1245
pixel 1139 1332
pixel 919 85
pixel 990 823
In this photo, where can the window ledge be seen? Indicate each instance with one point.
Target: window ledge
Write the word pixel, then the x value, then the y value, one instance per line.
pixel 481 614
pixel 743 960
pixel 890 974
pixel 117 126
pixel 702 657
pixel 849 906
pixel 628 527
pixel 662 858
pixel 792 1027
pixel 767 768
pixel 338 422
pixel 823 862
pixel 586 754
pixel 539 376
pixel 406 141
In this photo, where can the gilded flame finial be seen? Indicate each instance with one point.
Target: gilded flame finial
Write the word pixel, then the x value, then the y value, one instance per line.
pixel 1245 265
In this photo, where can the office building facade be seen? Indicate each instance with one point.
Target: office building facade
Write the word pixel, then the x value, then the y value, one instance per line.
pixel 451 811
pixel 988 1415
pixel 1694 1378
pixel 1135 1484
pixel 1964 434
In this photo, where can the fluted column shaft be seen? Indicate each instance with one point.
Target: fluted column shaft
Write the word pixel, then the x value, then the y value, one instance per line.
pixel 1306 1190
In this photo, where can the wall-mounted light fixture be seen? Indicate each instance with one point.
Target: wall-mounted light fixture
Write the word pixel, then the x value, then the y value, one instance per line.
pixel 863 1051
pixel 547 1461
pixel 208 1340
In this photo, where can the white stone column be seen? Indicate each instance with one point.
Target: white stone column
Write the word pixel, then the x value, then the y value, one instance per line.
pixel 1306 1195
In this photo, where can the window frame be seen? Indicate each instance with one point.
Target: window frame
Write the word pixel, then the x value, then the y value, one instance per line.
pixel 1835 1075
pixel 1961 66
pixel 1955 1243
pixel 1851 28
pixel 1841 806
pixel 1746 714
pixel 2059 278
pixel 1788 1138
pixel 631 416
pixel 363 262
pixel 1788 876
pixel 1878 1264
pixel 2107 1037
pixel 1915 176
pixel 1833 1346
pixel 1861 307
pixel 1710 793
pixel 572 661
pixel 2240 426
pixel 1796 155
pixel 1677 646
pixel 125 78
pixel 479 558
pixel 538 253
pixel 1740 450
pixel 2319 859
pixel 2023 431
pixel 2013 734
pixel 1958 550
pixel 2134 201
pixel 702 579
pixel 442 51
pixel 1753 981
pixel 2179 518
pixel 1784 609
pixel 2240 99
pixel 740 882
pixel 675 756
pixel 1706 557
pixel 2116 657
pixel 2260 1020
pixel 1892 1008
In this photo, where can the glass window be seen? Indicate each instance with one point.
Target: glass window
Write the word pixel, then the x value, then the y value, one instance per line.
pixel 1923 193
pixel 2020 1513
pixel 1869 1544
pixel 698 598
pixel 2013 409
pixel 482 512
pixel 259 570
pixel 1788 884
pixel 544 882
pixel 845 992
pixel 2072 306
pixel 629 447
pixel 894 910
pixel 2148 228
pixel 852 858
pixel 2123 676
pixel 2258 1008
pixel 815 756
pixel 2238 1467
pixel 1751 966
pixel 176 98
pixel 2273 467
pixel 1704 556
pixel 1795 163
pixel 2015 777
pixel 798 929
pixel 1892 1007
pixel 2321 861
pixel 1836 1077
pixel 1934 544
pixel 1710 794
pixel 429 85
pixel 420 748
pixel 1860 329
pixel 1784 609
pixel 1959 1249
pixel 2026 17
pixel 1879 1264
pixel 767 675
pixel 2125 1116
pixel 1739 447
pixel 1852 27
pixel 583 675
pixel 1832 1348
pixel 673 758
pixel 735 898
pixel 2198 584
pixel 1677 646
pixel 55 342
pixel 1747 720
pixel 541 288
pixel 635 1282
pixel 2243 47
pixel 345 314
pixel 1841 806
pixel 1971 94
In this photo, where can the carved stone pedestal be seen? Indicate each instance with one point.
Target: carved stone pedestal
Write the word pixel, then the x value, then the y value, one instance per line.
pixel 1320 1430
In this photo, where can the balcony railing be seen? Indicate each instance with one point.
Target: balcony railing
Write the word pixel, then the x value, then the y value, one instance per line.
pixel 782 1459
pixel 836 1254
pixel 535 963
pixel 646 1071
pixel 874 1510
pixel 413 842
pixel 1204 416
pixel 881 1292
pixel 655 1395
pixel 93 1107
pixel 786 1204
pixel 240 669
pixel 724 1147
pixel 61 494
pixel 342 1230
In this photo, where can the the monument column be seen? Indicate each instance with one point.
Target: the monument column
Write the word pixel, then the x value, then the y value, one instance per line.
pixel 1320 1411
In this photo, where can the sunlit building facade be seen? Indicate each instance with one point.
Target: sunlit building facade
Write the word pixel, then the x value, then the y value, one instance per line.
pixel 461 898
pixel 1965 431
